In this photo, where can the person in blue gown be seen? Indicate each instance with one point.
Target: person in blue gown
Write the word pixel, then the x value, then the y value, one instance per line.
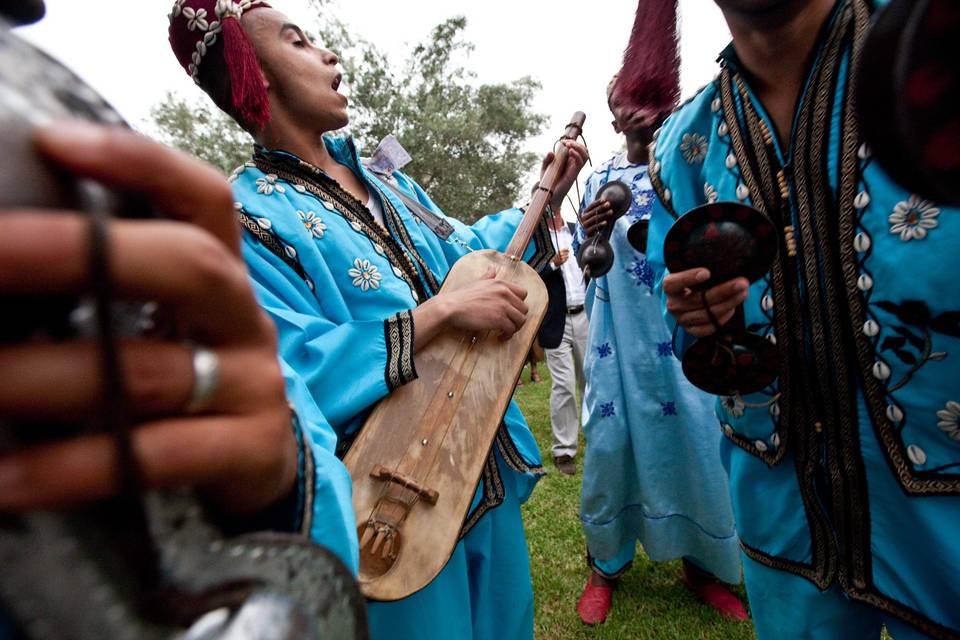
pixel 845 471
pixel 642 419
pixel 350 272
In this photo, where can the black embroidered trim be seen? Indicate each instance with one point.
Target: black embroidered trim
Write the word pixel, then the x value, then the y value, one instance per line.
pixel 320 185
pixel 398 332
pixel 306 472
pixel 543 246
pixel 269 239
pixel 393 219
pixel 493 494
pixel 511 455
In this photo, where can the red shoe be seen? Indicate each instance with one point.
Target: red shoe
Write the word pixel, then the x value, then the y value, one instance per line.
pixel 594 603
pixel 714 594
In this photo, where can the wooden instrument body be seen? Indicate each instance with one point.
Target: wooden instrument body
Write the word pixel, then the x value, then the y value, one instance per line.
pixel 463 384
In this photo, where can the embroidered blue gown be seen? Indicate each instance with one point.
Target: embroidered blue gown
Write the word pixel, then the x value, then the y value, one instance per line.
pixel 340 288
pixel 844 473
pixel 643 421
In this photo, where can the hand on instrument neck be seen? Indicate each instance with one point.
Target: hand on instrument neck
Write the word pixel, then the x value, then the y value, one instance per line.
pixel 576 157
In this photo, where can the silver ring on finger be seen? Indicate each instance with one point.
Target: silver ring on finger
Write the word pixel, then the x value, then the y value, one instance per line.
pixel 206 379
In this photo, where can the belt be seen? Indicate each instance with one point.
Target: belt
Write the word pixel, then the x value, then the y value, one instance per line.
pixel 572 311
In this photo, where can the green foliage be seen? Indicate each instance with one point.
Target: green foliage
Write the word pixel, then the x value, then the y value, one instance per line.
pixel 466 139
pixel 199 128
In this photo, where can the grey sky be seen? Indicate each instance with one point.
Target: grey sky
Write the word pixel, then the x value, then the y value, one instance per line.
pixel 572 48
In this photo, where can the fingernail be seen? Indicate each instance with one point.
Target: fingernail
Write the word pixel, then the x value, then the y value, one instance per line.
pixel 703 275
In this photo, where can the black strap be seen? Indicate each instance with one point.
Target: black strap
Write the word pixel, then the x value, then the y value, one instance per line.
pixel 437 224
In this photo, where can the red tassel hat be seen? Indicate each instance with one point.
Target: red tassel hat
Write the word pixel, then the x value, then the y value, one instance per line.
pixel 650 77
pixel 197 29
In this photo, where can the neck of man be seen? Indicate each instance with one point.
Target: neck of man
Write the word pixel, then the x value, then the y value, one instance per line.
pixel 774 46
pixel 637 149
pixel 307 144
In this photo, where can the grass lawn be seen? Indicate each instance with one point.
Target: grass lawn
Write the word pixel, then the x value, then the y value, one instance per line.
pixel 650 602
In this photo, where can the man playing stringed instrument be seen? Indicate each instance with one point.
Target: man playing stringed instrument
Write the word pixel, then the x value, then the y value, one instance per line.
pixel 350 272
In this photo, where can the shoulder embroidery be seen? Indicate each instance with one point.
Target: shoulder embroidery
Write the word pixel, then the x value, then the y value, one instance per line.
pixel 262 230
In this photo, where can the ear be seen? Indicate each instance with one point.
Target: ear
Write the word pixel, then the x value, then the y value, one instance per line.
pixel 616 127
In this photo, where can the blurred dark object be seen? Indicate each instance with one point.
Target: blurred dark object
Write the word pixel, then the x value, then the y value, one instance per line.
pixel 20 12
pixel 908 97
pixel 637 235
pixel 596 254
pixel 144 565
pixel 731 240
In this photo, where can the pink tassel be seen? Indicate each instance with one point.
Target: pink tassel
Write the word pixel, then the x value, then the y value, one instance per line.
pixel 650 77
pixel 248 93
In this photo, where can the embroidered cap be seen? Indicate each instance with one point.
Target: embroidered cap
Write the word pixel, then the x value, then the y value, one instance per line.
pixel 208 32
pixel 650 77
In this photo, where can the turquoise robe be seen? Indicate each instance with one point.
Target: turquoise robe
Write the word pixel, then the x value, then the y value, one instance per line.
pixel 340 289
pixel 853 487
pixel 643 420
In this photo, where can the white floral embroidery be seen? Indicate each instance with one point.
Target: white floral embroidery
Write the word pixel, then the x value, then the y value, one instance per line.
pixel 709 193
pixel 365 275
pixel 732 405
pixel 196 19
pixel 950 420
pixel 268 184
pixel 913 218
pixel 642 199
pixel 313 223
pixel 693 146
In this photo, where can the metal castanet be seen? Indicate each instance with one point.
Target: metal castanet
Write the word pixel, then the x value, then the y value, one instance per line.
pixel 419 456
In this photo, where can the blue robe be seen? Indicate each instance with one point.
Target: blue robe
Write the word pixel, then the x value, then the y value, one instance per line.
pixel 340 289
pixel 844 473
pixel 643 421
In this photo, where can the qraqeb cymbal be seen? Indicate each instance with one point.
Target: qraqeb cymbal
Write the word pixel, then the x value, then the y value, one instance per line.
pixel 908 89
pixel 732 240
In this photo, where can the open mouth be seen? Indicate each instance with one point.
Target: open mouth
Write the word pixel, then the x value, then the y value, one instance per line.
pixel 336 82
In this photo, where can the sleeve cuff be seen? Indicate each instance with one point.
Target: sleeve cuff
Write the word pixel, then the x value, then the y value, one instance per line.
pixel 398 332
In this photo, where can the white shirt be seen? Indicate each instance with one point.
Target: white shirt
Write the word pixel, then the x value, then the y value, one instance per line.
pixel 572 275
pixel 373 206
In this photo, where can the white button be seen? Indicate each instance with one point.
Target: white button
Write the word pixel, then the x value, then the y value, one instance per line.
pixel 290 251
pixel 864 151
pixel 722 130
pixel 865 283
pixel 775 440
pixel 881 371
pixel 760 445
pixel 666 195
pixel 775 410
pixel 772 337
pixel 264 223
pixel 871 328
pixel 731 161
pixel 727 429
pixel 715 105
pixel 861 200
pixel 861 242
pixel 767 303
pixel 917 455
pixel 742 192
pixel 894 414
pixel 655 167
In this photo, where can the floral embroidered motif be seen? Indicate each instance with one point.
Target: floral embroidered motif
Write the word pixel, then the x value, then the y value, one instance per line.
pixel 642 201
pixel 607 410
pixel 709 193
pixel 950 420
pixel 642 272
pixel 693 146
pixel 365 275
pixel 669 408
pixel 268 184
pixel 732 405
pixel 604 350
pixel 664 349
pixel 196 19
pixel 912 219
pixel 313 223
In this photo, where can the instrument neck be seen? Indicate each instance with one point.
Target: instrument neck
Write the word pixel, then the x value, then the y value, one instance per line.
pixel 538 204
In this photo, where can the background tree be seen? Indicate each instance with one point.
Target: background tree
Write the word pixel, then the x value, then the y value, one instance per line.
pixel 466 139
pixel 200 128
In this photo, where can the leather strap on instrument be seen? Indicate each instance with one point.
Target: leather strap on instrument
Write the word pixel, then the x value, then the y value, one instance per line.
pixel 437 224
